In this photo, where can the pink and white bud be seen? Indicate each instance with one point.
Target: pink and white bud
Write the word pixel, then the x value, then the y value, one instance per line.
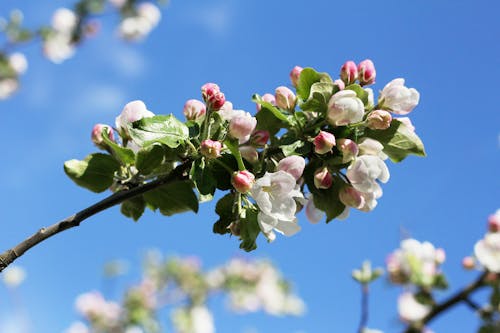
pixel 350 197
pixel 267 98
pixel 397 98
pixel 249 153
pixel 242 125
pixel 349 72
pixel 293 165
pixel 97 133
pixel 324 142
pixel 366 72
pixel 323 178
pixel 132 111
pixel 194 110
pixel 285 98
pixel 345 108
pixel 212 96
pixel 348 148
pixel 494 222
pixel 379 120
pixel 260 138
pixel 243 181
pixel 340 84
pixel 468 263
pixel 295 74
pixel 440 255
pixel 210 148
pixel 313 214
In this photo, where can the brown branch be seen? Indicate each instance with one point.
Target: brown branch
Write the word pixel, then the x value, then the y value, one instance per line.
pixel 460 296
pixel 74 220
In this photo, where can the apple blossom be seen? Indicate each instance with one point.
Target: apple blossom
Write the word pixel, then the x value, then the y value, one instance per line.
pixel 364 172
pixel 313 214
pixel 260 138
pixel 397 98
pixel 212 95
pixel 64 20
pixel 371 98
pixel 295 74
pixel 18 62
pixel 340 84
pixel 274 194
pixel 132 111
pixel 351 198
pixel 494 222
pixel 138 26
pixel 487 251
pixel 249 153
pixel 345 108
pixel 366 72
pixel 294 165
pixel 369 146
pixel 243 181
pixel 241 125
pixel 410 310
pixel 348 148
pixel 285 98
pixel 194 110
pixel 323 178
pixel 267 98
pixel 97 133
pixel 8 87
pixel 14 276
pixel 407 122
pixel 468 263
pixel 210 148
pixel 324 142
pixel 379 120
pixel 226 111
pixel 349 72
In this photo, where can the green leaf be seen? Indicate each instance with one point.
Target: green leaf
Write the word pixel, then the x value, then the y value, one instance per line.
pixel 320 95
pixel 173 198
pixel 203 178
pixel 224 209
pixel 249 231
pixel 149 158
pixel 167 130
pixel 291 148
pixel 440 282
pixel 124 155
pixel 360 92
pixel 268 122
pixel 221 174
pixel 95 172
pixel 398 140
pixel 133 208
pixel 490 328
pixel 307 78
pixel 266 105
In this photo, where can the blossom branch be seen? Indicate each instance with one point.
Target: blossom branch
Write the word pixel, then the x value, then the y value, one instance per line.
pixel 461 296
pixel 74 220
pixel 364 307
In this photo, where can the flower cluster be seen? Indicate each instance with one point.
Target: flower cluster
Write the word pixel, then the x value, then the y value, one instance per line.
pixel 487 250
pixel 68 29
pixel 181 283
pixel 323 146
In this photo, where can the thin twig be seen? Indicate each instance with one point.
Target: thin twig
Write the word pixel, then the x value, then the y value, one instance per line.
pixel 364 308
pixel 74 220
pixel 460 296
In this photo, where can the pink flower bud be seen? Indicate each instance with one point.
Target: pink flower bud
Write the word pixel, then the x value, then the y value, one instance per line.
pixel 494 222
pixel 249 153
pixel 212 95
pixel 366 72
pixel 285 98
pixel 242 125
pixel 348 148
pixel 294 165
pixel 260 138
pixel 351 198
pixel 267 98
pixel 295 74
pixel 349 72
pixel 97 133
pixel 210 148
pixel 243 181
pixel 324 142
pixel 379 120
pixel 468 263
pixel 323 178
pixel 340 84
pixel 440 256
pixel 194 110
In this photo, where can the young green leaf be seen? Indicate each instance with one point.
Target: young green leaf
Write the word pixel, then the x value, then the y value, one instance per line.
pixel 133 208
pixel 249 231
pixel 307 78
pixel 166 130
pixel 149 158
pixel 95 172
pixel 173 198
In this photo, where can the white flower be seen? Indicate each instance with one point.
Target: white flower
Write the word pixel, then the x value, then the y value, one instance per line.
pixel 132 111
pixel 410 309
pixel 242 125
pixel 8 87
pixel 368 146
pixel 407 122
pixel 93 305
pixel 370 97
pixel 58 47
pixel 14 276
pixel 18 62
pixel 139 26
pixel 364 172
pixel 345 108
pixel 487 251
pixel 397 98
pixel 313 214
pixel 274 194
pixel 202 321
pixel 64 20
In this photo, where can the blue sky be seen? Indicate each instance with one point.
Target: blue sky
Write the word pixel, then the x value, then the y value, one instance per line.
pixel 448 50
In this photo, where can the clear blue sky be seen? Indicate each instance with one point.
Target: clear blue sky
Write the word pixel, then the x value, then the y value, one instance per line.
pixel 448 50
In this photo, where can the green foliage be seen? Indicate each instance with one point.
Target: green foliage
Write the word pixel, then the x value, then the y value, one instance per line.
pixel 224 209
pixel 398 140
pixel 173 198
pixel 96 172
pixel 134 207
pixel 249 230
pixel 123 155
pixel 202 176
pixel 269 118
pixel 149 159
pixel 360 92
pixel 167 130
pixel 307 78
pixel 320 94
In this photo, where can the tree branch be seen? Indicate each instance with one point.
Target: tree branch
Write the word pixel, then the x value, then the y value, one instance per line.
pixel 74 220
pixel 364 308
pixel 460 296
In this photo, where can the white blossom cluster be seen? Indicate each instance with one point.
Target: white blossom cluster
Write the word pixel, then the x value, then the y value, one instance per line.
pixel 59 45
pixel 11 67
pixel 487 250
